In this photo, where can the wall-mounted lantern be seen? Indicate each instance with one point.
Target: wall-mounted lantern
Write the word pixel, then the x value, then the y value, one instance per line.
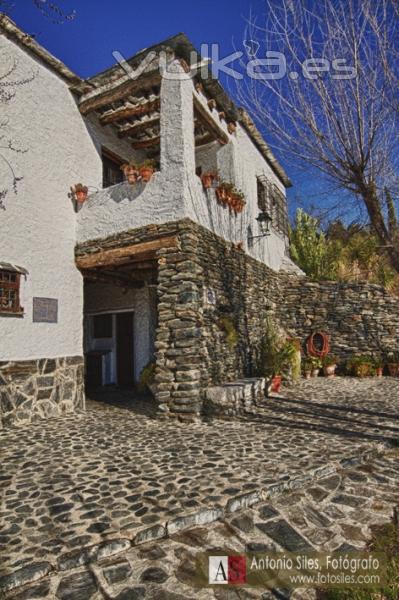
pixel 264 220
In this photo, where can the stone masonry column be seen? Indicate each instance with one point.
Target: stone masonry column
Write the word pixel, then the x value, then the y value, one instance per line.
pixel 180 344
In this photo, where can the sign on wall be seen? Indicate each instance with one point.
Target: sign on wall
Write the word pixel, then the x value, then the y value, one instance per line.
pixel 45 310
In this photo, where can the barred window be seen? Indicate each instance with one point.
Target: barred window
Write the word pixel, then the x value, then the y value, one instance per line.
pixel 9 292
pixel 263 189
pixel 279 213
pixel 273 201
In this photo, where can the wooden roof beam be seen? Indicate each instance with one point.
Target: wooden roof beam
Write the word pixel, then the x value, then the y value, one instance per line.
pixel 125 253
pixel 135 128
pixel 209 122
pixel 120 89
pixel 126 111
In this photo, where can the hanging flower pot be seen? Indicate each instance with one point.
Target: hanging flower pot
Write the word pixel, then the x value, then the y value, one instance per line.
pixel 146 170
pixel 208 179
pixel 80 192
pixel 131 173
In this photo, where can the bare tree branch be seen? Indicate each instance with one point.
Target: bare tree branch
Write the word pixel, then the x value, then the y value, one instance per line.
pixel 345 126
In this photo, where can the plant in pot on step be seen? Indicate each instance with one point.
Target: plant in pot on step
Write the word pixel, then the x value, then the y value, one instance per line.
pixel 361 365
pixel 277 356
pixel 393 363
pixel 329 365
pixel 378 365
pixel 147 169
pixel 307 367
pixel 316 365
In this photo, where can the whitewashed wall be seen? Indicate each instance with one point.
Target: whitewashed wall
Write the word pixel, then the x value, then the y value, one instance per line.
pixel 38 227
pixel 176 192
pixel 103 298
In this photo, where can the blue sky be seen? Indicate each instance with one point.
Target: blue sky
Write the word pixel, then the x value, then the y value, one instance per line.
pixel 86 43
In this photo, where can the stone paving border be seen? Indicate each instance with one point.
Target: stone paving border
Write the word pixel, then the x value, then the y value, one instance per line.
pixel 108 548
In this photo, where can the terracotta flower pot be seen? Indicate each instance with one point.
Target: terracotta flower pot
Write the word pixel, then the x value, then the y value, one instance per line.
pixel 221 194
pixel 379 371
pixel 276 383
pixel 307 374
pixel 315 372
pixel 81 196
pixel 146 173
pixel 131 173
pixel 393 369
pixel 329 371
pixel 207 180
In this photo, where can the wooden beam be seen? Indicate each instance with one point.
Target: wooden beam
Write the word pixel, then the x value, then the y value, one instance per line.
pixel 116 255
pixel 209 122
pixel 107 278
pixel 117 90
pixel 124 112
pixel 147 143
pixel 138 127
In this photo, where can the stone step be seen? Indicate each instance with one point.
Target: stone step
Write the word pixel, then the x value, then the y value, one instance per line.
pixel 235 397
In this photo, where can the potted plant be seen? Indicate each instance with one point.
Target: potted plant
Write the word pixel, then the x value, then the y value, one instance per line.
pixel 80 192
pixel 393 363
pixel 237 200
pixel 277 356
pixel 307 368
pixel 147 169
pixel 361 365
pixel 223 192
pixel 378 365
pixel 147 378
pixel 131 172
pixel 329 365
pixel 316 365
pixel 208 179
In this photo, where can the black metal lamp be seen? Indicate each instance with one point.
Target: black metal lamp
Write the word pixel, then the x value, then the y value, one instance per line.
pixel 264 220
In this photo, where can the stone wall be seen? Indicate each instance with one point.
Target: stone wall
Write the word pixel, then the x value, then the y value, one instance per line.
pixel 207 281
pixel 359 317
pixel 35 389
pixel 200 284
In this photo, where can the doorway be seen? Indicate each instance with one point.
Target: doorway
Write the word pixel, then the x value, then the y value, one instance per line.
pixel 125 349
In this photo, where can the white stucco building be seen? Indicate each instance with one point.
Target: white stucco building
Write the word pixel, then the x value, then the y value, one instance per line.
pixel 73 284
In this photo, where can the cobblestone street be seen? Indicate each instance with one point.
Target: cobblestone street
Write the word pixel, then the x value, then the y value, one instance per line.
pixel 114 477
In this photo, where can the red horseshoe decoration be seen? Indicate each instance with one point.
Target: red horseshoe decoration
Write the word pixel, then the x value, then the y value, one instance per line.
pixel 325 345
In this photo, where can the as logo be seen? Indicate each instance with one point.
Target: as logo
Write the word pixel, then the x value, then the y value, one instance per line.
pixel 227 570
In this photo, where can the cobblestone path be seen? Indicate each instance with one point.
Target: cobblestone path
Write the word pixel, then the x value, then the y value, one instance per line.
pixel 113 473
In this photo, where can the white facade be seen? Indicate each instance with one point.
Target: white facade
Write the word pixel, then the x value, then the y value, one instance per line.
pixel 39 228
pixel 176 191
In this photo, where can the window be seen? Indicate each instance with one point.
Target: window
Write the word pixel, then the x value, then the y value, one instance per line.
pixel 102 326
pixel 263 188
pixel 9 292
pixel 273 201
pixel 280 216
pixel 112 173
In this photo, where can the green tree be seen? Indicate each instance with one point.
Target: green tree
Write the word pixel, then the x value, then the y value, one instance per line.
pixel 310 248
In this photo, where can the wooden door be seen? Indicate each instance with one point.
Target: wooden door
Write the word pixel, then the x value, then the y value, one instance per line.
pixel 124 348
